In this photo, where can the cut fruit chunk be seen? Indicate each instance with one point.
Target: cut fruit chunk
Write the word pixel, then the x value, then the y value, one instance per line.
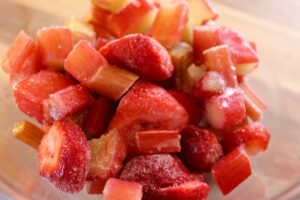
pixel 116 189
pixel 81 30
pixel 64 156
pixel 113 6
pixel 95 187
pixel 226 110
pixel 158 141
pixel 30 93
pixel 83 62
pixel 141 54
pixel 65 103
pixel 200 148
pixel 194 110
pixel 210 84
pixel 112 82
pixel 231 170
pixel 17 53
pixel 218 59
pixel 245 69
pixel 255 138
pixel 182 58
pixel 136 17
pixel 154 172
pixel 28 133
pixel 98 117
pixel 191 190
pixel 100 42
pixel 146 107
pixel 254 105
pixel 108 154
pixel 176 14
pixel 192 74
pixel 54 45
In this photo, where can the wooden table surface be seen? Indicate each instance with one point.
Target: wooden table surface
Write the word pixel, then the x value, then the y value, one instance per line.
pixel 273 24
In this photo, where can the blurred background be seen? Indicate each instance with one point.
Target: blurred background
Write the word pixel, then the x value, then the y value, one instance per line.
pixel 275 27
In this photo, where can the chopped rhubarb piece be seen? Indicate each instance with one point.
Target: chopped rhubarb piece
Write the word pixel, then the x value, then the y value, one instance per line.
pixel 100 42
pixel 155 172
pixel 112 82
pixel 205 37
pixel 185 191
pixel 64 156
pixel 158 141
pixel 108 154
pixel 182 58
pixel 95 187
pixel 81 30
pixel 17 53
pixel 218 59
pixel 113 6
pixel 137 17
pixel 210 84
pixel 200 148
pixel 194 110
pixel 147 106
pixel 31 65
pixel 245 69
pixel 255 138
pixel 100 18
pixel 98 116
pixel 141 54
pixel 176 13
pixel 231 170
pixel 66 102
pixel 226 110
pixel 193 73
pixel 116 189
pixel 254 105
pixel 54 45
pixel 30 93
pixel 83 62
pixel 28 133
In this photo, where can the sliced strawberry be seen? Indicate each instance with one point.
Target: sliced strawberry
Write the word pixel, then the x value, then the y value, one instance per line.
pixel 83 61
pixel 200 148
pixel 17 53
pixel 108 154
pixel 155 172
pixel 65 103
pixel 210 84
pixel 116 189
pixel 98 116
pixel 95 187
pixel 147 107
pixel 141 54
pixel 30 93
pixel 232 170
pixel 54 44
pixel 226 110
pixel 193 190
pixel 158 141
pixel 254 136
pixel 194 110
pixel 64 156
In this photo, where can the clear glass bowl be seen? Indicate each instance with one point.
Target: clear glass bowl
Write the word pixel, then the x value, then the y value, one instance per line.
pixel 275 173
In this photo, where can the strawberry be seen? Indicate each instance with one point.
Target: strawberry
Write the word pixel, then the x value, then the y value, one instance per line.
pixel 200 148
pixel 194 110
pixel 210 84
pixel 95 187
pixel 141 54
pixel 83 61
pixel 65 103
pixel 155 172
pixel 254 136
pixel 30 93
pixel 116 189
pixel 226 110
pixel 146 107
pixel 231 170
pixel 158 141
pixel 108 154
pixel 64 156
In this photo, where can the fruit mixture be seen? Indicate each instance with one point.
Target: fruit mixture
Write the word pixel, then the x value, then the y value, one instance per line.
pixel 139 99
